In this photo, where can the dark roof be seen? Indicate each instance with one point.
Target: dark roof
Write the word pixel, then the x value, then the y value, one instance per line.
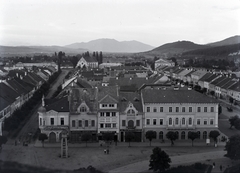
pixel 175 96
pixel 218 80
pixel 223 82
pixel 26 85
pixel 206 76
pixel 177 71
pixel 227 85
pixel 134 98
pixel 127 68
pixel 235 87
pixel 212 77
pixel 36 77
pixel 8 93
pixel 82 83
pixel 189 74
pixel 86 95
pixel 3 103
pixel 20 89
pixel 58 105
pixel 90 59
pixel 111 91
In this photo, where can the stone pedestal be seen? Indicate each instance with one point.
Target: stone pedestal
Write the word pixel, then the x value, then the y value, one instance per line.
pixel 64 146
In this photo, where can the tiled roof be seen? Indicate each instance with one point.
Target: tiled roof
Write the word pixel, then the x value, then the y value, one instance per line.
pixel 223 82
pixel 80 95
pixel 127 68
pixel 26 85
pixel 109 90
pixel 175 96
pixel 58 105
pixel 199 73
pixel 206 76
pixel 218 80
pixel 20 89
pixel 189 74
pixel 235 87
pixel 126 97
pixel 8 93
pixel 229 84
pixel 90 59
pixel 211 78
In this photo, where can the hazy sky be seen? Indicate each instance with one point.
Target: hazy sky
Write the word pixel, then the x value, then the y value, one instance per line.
pixel 154 22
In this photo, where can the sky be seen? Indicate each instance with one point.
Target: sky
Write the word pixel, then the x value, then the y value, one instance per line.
pixel 154 22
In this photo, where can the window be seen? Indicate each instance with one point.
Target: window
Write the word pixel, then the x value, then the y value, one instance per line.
pixel 154 109
pixel 154 122
pixel 62 121
pixel 176 121
pixel 183 121
pixel 148 109
pixel 212 109
pixel 183 109
pixel 92 123
pixel 83 109
pixel 161 109
pixel 52 121
pixel 170 121
pixel 204 135
pixel 211 121
pixel 40 121
pixel 124 123
pixel 177 109
pixel 114 125
pixel 170 109
pixel 198 121
pixel 205 109
pixel 111 105
pixel 107 114
pixel 183 135
pixel 104 105
pixel 160 135
pixel 86 123
pixel 73 123
pixel 205 121
pixel 161 121
pixel 190 109
pixel 108 125
pixel 130 112
pixel 190 121
pixel 199 109
pixel 148 121
pixel 80 123
pixel 101 125
pixel 113 114
pixel 102 114
pixel 138 122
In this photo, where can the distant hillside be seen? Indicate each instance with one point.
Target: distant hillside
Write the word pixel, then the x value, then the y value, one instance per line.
pixel 111 45
pixel 29 50
pixel 178 47
pixel 228 41
pixel 218 51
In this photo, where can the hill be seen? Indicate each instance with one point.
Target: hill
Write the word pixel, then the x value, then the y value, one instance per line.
pixel 227 41
pixel 111 45
pixel 219 51
pixel 31 50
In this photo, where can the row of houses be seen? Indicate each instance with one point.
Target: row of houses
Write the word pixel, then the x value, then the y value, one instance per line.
pixel 17 86
pixel 223 84
pixel 107 109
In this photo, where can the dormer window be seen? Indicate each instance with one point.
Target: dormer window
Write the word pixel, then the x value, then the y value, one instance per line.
pixel 83 109
pixel 130 112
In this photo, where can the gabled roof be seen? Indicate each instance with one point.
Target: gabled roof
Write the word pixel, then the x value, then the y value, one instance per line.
pixel 58 105
pixel 108 90
pixel 108 99
pixel 163 61
pixel 206 76
pixel 80 95
pixel 199 73
pixel 20 89
pixel 3 103
pixel 90 59
pixel 125 98
pixel 229 84
pixel 218 80
pixel 211 78
pixel 223 82
pixel 189 74
pixel 8 93
pixel 175 96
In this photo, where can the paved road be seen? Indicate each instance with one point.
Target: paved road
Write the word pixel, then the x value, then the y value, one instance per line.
pixel 176 160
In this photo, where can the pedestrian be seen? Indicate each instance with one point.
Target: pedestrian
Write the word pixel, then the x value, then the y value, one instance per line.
pixel 213 164
pixel 220 167
pixel 107 151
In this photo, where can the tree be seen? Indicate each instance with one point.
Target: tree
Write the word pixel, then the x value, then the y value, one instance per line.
pixel 237 124
pixel 86 137
pixel 214 134
pixel 129 136
pixel 3 140
pixel 107 137
pixel 193 136
pixel 74 61
pixel 159 160
pixel 60 55
pixel 232 147
pixel 212 93
pixel 232 120
pixel 150 135
pixel 172 136
pixel 219 109
pixel 42 137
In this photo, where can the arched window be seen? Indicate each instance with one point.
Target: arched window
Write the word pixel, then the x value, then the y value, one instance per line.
pixel 130 112
pixel 176 121
pixel 199 134
pixel 83 109
pixel 190 121
pixel 182 135
pixel 170 121
pixel 160 135
pixel 177 134
pixel 130 124
pixel 204 135
pixel 183 121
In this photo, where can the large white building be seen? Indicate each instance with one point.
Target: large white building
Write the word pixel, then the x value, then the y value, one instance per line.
pixel 87 63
